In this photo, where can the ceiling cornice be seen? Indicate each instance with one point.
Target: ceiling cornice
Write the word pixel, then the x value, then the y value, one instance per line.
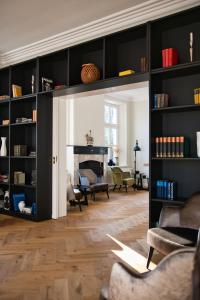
pixel 130 17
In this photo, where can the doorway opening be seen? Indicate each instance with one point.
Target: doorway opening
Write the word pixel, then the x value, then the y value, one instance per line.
pixel 99 131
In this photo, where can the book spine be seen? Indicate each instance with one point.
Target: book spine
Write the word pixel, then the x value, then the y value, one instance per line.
pixel 177 146
pixel 198 92
pixel 169 147
pixel 164 147
pixel 161 147
pixel 162 100
pixel 166 100
pixel 165 185
pixel 181 146
pixel 167 58
pixel 168 190
pixel 196 96
pixel 173 147
pixel 157 147
pixel 155 101
pixel 159 100
pixel 173 190
pixel 163 58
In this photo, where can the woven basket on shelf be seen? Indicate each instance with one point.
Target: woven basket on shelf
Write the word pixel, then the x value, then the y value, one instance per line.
pixel 89 73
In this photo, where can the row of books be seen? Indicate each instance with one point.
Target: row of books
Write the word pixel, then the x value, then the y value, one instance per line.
pixel 161 100
pixel 197 96
pixel 169 57
pixel 4 97
pixel 172 146
pixel 166 189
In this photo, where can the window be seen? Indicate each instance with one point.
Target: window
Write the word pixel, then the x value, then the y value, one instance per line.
pixel 111 128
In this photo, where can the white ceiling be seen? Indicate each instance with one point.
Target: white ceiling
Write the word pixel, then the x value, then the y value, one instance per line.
pixel 24 21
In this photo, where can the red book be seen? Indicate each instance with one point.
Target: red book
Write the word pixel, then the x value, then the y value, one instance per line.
pixel 172 57
pixel 167 57
pixel 164 58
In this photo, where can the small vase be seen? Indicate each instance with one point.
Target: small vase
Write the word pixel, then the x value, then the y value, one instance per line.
pixel 90 73
pixel 198 143
pixel 3 151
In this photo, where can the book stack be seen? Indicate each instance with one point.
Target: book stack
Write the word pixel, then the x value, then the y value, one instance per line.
pixel 197 96
pixel 161 100
pixel 166 189
pixel 4 97
pixel 16 90
pixel 20 150
pixel 172 146
pixel 169 57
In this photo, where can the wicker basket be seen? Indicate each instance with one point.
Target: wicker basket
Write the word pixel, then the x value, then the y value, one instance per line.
pixel 90 73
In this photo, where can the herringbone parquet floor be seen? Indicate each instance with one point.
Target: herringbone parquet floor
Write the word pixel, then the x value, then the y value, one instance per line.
pixel 69 258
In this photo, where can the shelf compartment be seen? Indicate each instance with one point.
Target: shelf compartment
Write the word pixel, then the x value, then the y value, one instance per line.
pixel 21 74
pixel 124 51
pixel 54 66
pixel 90 52
pixel 4 112
pixel 174 32
pixel 4 82
pixel 22 108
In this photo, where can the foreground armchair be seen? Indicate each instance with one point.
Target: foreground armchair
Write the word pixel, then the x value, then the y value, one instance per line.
pixel 178 228
pixel 175 278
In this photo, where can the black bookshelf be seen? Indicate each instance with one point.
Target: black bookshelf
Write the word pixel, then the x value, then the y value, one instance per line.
pixel 29 134
pixel 112 53
pixel 181 117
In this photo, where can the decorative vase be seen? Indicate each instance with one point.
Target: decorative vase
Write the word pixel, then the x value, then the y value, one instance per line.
pixel 198 143
pixel 6 200
pixel 3 151
pixel 90 73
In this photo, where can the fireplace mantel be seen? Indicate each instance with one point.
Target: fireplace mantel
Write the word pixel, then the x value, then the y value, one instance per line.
pixel 95 150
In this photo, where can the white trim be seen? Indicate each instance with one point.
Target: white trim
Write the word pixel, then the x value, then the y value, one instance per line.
pixel 126 18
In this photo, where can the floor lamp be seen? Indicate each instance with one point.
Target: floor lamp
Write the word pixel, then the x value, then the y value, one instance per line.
pixel 136 149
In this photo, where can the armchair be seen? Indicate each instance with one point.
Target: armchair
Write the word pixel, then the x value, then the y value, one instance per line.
pixel 121 178
pixel 90 183
pixel 176 277
pixel 178 228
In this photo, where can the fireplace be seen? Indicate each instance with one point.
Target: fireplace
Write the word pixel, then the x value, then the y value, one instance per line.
pixel 95 166
pixel 86 157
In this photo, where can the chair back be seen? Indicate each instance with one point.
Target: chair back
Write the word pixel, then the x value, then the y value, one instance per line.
pixel 116 170
pixel 190 213
pixel 87 175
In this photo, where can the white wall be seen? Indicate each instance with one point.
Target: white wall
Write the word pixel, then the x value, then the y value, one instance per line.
pixel 139 130
pixel 88 114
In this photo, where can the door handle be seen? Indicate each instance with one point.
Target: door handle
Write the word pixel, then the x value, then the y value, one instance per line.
pixel 55 159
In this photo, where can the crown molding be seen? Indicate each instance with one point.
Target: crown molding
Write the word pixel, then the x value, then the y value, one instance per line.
pixel 138 14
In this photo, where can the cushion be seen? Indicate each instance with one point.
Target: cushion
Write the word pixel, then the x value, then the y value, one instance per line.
pixel 91 176
pixel 165 241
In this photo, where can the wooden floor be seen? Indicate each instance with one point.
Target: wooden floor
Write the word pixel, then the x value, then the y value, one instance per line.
pixel 70 258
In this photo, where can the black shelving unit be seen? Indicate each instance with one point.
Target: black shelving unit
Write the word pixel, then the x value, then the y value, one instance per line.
pixel 182 115
pixel 35 135
pixel 112 53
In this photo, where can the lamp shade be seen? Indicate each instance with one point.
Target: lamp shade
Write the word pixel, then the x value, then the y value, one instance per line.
pixel 136 148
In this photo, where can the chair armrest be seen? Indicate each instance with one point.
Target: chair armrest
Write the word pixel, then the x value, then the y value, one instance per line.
pixel 170 280
pixel 126 175
pixel 170 216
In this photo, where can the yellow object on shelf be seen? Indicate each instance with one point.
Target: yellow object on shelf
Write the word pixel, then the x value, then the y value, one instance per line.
pixel 126 72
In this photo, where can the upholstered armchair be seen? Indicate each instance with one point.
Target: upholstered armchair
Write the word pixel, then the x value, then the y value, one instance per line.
pixel 178 228
pixel 91 184
pixel 121 178
pixel 175 278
